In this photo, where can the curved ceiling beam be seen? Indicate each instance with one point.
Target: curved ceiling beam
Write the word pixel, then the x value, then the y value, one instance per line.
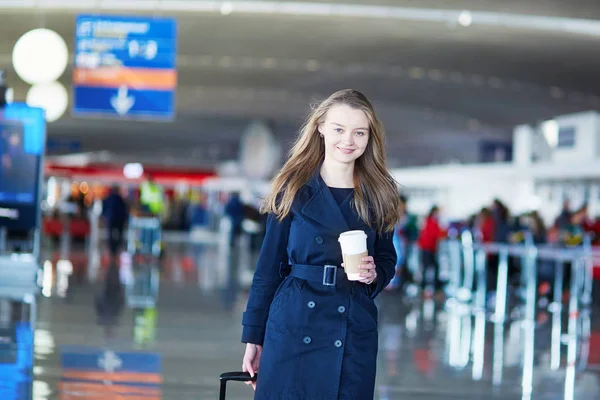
pixel 270 96
pixel 446 16
pixel 387 71
pixel 433 75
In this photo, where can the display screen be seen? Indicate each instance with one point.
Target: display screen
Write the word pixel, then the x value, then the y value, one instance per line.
pixel 18 167
pixel 22 142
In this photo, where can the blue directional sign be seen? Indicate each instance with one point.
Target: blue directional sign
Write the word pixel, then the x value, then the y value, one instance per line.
pixel 131 374
pixel 125 67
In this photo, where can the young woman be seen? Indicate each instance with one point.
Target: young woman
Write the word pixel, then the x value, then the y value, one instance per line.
pixel 310 332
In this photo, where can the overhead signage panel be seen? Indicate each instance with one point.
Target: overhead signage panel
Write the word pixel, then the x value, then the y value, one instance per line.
pixel 125 67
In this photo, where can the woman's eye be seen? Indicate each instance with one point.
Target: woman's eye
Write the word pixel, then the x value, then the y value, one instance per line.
pixel 360 133
pixel 339 130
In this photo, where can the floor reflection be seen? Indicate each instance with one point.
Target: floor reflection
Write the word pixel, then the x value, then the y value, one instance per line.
pixel 435 347
pixel 187 313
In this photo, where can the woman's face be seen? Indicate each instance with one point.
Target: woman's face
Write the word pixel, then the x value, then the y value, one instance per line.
pixel 345 132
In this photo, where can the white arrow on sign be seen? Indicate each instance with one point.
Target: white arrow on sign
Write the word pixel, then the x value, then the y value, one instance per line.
pixel 110 361
pixel 122 102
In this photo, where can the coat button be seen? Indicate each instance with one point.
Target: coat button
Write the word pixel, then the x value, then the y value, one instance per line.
pixel 307 339
pixel 319 240
pixel 341 309
pixel 338 343
pixel 311 304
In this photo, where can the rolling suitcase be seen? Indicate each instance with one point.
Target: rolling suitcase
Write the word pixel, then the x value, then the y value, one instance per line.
pixel 233 376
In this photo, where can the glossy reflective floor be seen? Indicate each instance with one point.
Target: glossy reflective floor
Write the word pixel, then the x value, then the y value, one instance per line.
pixel 429 349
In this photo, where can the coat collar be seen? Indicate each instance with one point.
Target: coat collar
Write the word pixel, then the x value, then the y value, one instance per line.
pixel 315 180
pixel 322 206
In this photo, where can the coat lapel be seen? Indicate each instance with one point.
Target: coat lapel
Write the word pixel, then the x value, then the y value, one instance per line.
pixel 322 206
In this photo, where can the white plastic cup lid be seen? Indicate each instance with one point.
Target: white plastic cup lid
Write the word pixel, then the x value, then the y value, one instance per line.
pixel 353 242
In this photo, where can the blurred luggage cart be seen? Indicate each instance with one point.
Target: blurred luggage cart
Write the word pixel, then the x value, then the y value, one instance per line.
pixel 144 244
pixel 144 236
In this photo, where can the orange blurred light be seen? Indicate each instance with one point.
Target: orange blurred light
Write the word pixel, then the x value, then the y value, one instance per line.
pixel 84 187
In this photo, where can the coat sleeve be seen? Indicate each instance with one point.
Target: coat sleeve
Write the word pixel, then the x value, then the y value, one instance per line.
pixel 267 279
pixel 385 262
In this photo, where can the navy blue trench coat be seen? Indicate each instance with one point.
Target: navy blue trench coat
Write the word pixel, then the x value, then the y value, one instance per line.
pixel 319 342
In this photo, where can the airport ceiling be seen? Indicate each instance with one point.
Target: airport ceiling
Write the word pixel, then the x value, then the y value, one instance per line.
pixel 439 86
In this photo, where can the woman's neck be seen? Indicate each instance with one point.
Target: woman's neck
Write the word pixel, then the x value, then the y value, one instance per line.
pixel 338 175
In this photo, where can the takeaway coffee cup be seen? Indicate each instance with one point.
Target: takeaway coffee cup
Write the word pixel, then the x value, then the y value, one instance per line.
pixel 354 248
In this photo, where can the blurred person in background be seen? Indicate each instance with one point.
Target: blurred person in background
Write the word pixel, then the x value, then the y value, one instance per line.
pixel 587 223
pixel 569 234
pixel 183 213
pixel 484 226
pixel 198 211
pixel 177 213
pixel 573 233
pixel 537 227
pixel 501 217
pixel 564 218
pixel 235 211
pixel 152 199
pixel 595 230
pixel 429 238
pixel 501 222
pixel 405 235
pixel 312 331
pixel 116 214
pixel 534 224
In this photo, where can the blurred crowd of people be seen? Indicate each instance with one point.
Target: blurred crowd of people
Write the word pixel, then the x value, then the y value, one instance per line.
pixel 492 224
pixel 183 212
pixel 194 210
pixel 495 224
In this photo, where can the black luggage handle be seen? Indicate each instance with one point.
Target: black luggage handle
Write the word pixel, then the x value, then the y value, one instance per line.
pixel 237 377
pixel 233 376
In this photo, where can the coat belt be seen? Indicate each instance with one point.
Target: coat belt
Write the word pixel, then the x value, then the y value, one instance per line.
pixel 328 275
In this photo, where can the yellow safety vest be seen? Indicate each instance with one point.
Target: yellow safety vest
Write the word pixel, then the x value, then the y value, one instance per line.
pixel 152 196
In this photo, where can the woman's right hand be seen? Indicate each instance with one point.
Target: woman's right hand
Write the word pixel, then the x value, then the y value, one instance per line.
pixel 251 361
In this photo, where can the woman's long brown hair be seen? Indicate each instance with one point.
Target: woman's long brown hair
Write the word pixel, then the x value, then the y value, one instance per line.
pixel 376 197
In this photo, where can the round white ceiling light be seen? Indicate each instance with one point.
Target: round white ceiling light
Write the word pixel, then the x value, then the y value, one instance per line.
pixel 52 97
pixel 465 18
pixel 40 56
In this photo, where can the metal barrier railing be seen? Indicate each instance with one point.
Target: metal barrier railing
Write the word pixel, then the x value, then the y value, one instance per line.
pixel 467 289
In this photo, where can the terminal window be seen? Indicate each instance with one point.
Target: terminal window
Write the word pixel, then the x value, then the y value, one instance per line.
pixel 566 137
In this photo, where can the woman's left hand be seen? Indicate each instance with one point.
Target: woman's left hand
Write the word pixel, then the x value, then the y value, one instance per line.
pixel 368 274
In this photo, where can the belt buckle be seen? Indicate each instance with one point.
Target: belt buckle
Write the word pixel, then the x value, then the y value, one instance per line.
pixel 325 270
